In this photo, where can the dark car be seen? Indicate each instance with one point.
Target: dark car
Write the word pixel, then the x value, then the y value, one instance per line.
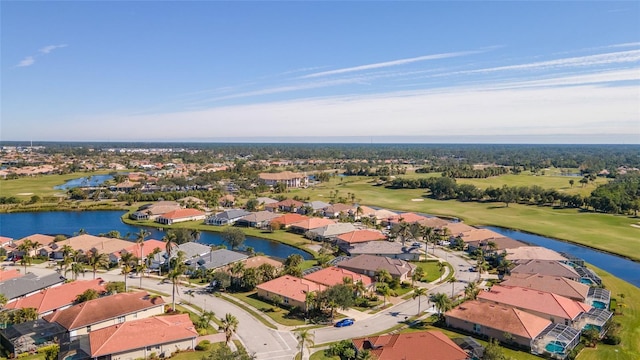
pixel 345 322
pixel 416 244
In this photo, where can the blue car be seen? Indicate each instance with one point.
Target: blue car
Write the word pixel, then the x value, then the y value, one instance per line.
pixel 345 322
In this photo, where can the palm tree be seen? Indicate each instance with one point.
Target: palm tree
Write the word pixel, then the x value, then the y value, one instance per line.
pixel 236 271
pixel 404 231
pixel 3 300
pixel 96 260
pixel 305 337
pixel 427 235
pixel 442 302
pixel 441 267
pixel 480 262
pixel 229 326
pixel 76 268
pixel 174 276
pixel 127 259
pixel 359 288
pixel 310 299
pixel 151 257
pixel 385 291
pixel 364 354
pixel 452 281
pixel 383 276
pixel 140 238
pixel 141 269
pixel 417 275
pixel 471 290
pixel 418 293
pixel 169 240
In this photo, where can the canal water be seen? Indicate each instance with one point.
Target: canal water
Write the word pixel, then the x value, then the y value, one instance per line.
pixel 19 225
pixel 90 181
pixel 620 267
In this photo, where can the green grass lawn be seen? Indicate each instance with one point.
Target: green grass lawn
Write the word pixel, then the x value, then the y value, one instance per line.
pixel 278 315
pixel 602 231
pixel 430 268
pixel 41 185
pixel 320 355
pixel 194 318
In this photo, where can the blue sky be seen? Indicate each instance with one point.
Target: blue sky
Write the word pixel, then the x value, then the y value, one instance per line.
pixel 321 71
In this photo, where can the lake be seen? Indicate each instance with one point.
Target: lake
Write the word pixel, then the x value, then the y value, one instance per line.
pixel 90 181
pixel 620 267
pixel 19 225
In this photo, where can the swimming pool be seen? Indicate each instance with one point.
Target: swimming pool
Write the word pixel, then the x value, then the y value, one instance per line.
pixel 555 347
pixel 599 305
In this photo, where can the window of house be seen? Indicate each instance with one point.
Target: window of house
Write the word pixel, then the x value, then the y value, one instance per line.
pixel 286 300
pixel 89 328
pixel 120 319
pixel 477 328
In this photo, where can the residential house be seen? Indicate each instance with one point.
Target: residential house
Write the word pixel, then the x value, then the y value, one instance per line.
pixel 334 275
pixel 191 250
pixel 494 321
pixel 215 259
pixel 346 240
pixel 29 336
pixel 86 243
pixel 106 311
pixel 407 217
pixel 303 226
pixel 181 215
pixel 139 339
pixel 433 222
pixel 158 208
pixel 382 216
pixel 9 274
pixel 389 249
pixel 141 252
pixel 553 284
pixel 551 268
pixel 558 309
pixel 262 201
pixel 227 217
pixel 493 244
pixel 28 284
pixel 290 179
pixel 57 298
pixel 287 219
pixel 227 200
pixel 361 211
pixel 286 205
pixel 457 228
pixel 533 253
pixel 314 207
pixel 335 210
pixel 423 345
pixel 293 290
pixel 370 265
pixel 331 232
pixel 260 219
pixel 42 242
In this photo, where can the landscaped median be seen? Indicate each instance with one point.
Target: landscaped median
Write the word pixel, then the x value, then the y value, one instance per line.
pixel 275 312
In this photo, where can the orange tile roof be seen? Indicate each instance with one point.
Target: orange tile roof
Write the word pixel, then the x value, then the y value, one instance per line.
pixel 553 284
pixel 86 243
pixel 9 274
pixel 56 297
pixel 290 203
pixel 359 236
pixel 424 345
pixel 104 308
pixel 288 219
pixel 291 287
pixel 182 213
pixel 284 175
pixel 333 276
pixel 534 300
pixel 138 334
pixel 313 223
pixel 457 228
pixel 5 240
pixel 408 217
pixel 147 248
pixel 42 239
pixel 503 318
pixel 479 234
pixel 433 222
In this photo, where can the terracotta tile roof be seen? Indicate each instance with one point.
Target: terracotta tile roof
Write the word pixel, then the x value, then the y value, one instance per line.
pixel 553 284
pixel 104 308
pixel 433 222
pixel 313 223
pixel 366 211
pixel 543 267
pixel 479 234
pixel 56 297
pixel 291 287
pixel 5 240
pixel 288 219
pixel 502 318
pixel 86 243
pixel 359 236
pixel 42 239
pixel 534 300
pixel 457 228
pixel 533 253
pixel 138 334
pixel 182 213
pixel 147 248
pixel 338 208
pixel 424 345
pixel 501 243
pixel 9 274
pixel 408 217
pixel 254 262
pixel 333 276
pixel 289 203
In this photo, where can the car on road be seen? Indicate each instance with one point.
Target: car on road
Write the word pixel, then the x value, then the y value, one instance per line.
pixel 345 322
pixel 416 244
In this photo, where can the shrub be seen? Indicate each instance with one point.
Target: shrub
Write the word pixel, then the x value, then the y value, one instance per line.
pixel 203 345
pixel 611 340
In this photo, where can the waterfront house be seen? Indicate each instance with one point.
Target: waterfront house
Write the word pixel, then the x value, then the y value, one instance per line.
pixel 335 210
pixel 494 321
pixel 551 268
pixel 215 259
pixel 57 298
pixel 558 309
pixel 181 215
pixel 139 339
pixel 389 249
pixel 292 290
pixel 407 217
pixel 86 244
pixel 227 217
pixel 303 226
pixel 346 240
pixel 260 219
pixel 370 265
pixel 498 244
pixel 423 345
pixel 287 219
pixel 533 253
pixel 554 284
pixel 331 232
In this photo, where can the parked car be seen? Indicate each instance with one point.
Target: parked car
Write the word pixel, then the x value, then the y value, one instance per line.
pixel 416 244
pixel 345 322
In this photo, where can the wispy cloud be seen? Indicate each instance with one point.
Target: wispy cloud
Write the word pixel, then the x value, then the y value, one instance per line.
pixel 49 48
pixel 31 59
pixel 391 63
pixel 28 61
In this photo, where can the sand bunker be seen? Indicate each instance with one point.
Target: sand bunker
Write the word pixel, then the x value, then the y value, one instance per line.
pixel 417 199
pixel 24 194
